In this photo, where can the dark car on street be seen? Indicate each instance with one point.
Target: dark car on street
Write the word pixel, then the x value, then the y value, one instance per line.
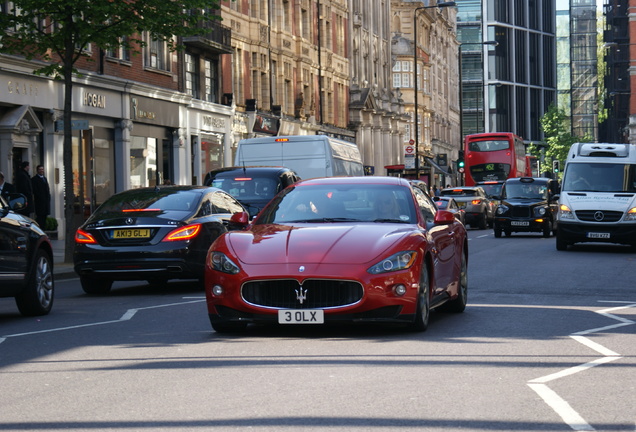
pixel 252 186
pixel 449 204
pixel 26 259
pixel 527 205
pixel 153 234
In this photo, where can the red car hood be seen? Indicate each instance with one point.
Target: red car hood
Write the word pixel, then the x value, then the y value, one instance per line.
pixel 326 244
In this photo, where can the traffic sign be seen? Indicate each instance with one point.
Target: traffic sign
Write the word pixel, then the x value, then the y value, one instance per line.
pixel 409 150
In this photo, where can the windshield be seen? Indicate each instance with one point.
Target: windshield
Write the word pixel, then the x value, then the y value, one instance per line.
pixel 492 189
pixel 534 190
pixel 341 203
pixel 166 199
pixel 600 177
pixel 458 192
pixel 247 188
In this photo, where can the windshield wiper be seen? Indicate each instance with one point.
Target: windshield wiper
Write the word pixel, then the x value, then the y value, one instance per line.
pixel 326 219
pixel 381 220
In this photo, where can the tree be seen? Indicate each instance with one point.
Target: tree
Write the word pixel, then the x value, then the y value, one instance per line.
pixel 559 139
pixel 57 32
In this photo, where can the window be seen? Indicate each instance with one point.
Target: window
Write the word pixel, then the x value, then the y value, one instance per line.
pixel 121 52
pixel 156 55
pixel 211 81
pixel 192 75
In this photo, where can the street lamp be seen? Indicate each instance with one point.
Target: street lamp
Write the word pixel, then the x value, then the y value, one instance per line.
pixel 415 108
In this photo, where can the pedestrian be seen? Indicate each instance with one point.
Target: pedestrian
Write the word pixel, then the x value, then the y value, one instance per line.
pixel 42 196
pixel 6 188
pixel 23 185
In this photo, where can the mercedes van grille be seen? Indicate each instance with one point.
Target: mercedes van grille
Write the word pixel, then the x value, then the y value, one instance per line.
pixel 599 215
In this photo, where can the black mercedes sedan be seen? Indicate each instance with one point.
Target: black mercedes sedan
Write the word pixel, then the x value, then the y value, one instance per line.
pixel 26 259
pixel 153 234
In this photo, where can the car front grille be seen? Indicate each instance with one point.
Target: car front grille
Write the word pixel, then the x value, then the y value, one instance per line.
pixel 599 215
pixel 520 212
pixel 313 293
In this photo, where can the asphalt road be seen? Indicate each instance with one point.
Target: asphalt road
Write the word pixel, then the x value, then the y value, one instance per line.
pixel 546 343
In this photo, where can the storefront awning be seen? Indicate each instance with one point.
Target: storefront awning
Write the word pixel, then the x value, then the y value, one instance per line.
pixel 441 170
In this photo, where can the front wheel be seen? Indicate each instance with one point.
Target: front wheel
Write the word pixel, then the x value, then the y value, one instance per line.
pixel 547 230
pixel 37 297
pixel 561 244
pixel 497 231
pixel 423 311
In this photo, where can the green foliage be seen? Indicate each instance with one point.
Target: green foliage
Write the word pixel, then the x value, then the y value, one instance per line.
pixel 67 27
pixel 555 125
pixel 50 224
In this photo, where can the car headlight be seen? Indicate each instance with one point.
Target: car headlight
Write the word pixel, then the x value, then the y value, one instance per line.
pixel 399 261
pixel 220 262
pixel 541 211
pixel 631 214
pixel 565 212
pixel 502 209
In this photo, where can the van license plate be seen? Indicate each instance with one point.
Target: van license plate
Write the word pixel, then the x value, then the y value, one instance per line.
pixel 519 223
pixel 598 235
pixel 301 316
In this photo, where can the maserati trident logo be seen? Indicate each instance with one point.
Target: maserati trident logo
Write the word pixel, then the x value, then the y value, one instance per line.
pixel 599 216
pixel 301 295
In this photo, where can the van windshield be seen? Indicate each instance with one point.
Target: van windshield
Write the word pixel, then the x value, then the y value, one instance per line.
pixel 599 177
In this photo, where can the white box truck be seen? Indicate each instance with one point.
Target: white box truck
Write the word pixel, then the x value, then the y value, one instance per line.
pixel 309 155
pixel 597 202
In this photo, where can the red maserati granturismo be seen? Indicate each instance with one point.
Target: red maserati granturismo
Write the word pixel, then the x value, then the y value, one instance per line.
pixel 341 249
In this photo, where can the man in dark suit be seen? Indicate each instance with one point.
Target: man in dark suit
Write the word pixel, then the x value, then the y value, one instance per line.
pixel 42 196
pixel 6 188
pixel 23 185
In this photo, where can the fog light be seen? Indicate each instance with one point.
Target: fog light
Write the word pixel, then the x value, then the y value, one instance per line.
pixel 217 290
pixel 399 290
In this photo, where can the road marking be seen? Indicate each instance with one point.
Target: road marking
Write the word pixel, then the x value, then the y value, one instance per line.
pixel 128 315
pixel 556 402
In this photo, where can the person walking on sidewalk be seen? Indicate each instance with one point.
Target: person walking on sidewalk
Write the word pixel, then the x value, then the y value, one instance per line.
pixel 42 196
pixel 23 185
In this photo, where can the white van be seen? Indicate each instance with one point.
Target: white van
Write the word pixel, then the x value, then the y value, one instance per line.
pixel 598 195
pixel 309 155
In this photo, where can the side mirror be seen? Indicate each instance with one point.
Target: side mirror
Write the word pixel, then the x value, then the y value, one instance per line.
pixel 240 218
pixel 444 217
pixel 555 198
pixel 17 201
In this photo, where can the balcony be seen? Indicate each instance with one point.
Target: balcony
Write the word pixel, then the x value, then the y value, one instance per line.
pixel 214 37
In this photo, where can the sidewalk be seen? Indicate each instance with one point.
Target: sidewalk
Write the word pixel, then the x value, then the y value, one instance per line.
pixel 61 270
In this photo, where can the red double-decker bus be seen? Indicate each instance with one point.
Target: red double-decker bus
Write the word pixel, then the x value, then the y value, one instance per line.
pixel 493 156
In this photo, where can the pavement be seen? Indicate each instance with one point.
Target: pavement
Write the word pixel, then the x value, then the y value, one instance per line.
pixel 61 270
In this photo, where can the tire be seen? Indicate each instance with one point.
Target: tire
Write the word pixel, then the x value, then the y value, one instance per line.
pixel 458 305
pixel 508 233
pixel 561 244
pixel 483 221
pixel 37 297
pixel 547 230
pixel 423 312
pixel 497 230
pixel 95 286
pixel 229 327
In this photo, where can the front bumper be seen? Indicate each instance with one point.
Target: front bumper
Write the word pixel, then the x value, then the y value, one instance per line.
pixel 620 233
pixel 521 225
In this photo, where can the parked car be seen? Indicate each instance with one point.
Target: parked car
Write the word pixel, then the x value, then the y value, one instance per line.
pixel 154 234
pixel 339 249
pixel 26 259
pixel 528 204
pixel 449 204
pixel 252 186
pixel 480 210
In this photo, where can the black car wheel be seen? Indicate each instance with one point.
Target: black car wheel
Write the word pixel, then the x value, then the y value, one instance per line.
pixel 458 305
pixel 37 297
pixel 561 244
pixel 423 311
pixel 483 222
pixel 547 229
pixel 95 286
pixel 497 230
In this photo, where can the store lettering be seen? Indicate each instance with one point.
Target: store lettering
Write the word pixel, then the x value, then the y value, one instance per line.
pixel 215 122
pixel 94 100
pixel 138 113
pixel 24 88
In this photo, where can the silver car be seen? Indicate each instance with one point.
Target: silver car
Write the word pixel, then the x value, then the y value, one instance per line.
pixel 480 210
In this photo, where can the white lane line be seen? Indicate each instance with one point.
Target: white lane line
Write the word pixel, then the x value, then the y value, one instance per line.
pixel 551 398
pixel 562 408
pixel 128 315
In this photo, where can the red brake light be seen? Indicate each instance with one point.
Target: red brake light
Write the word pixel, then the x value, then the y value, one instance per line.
pixel 281 139
pixel 242 178
pixel 476 202
pixel 82 236
pixel 184 233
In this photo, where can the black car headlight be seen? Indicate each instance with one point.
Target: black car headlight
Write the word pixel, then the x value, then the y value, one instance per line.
pixel 220 262
pixel 399 261
pixel 540 211
pixel 502 210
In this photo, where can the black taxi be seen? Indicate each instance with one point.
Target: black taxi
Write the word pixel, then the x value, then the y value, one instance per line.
pixel 527 204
